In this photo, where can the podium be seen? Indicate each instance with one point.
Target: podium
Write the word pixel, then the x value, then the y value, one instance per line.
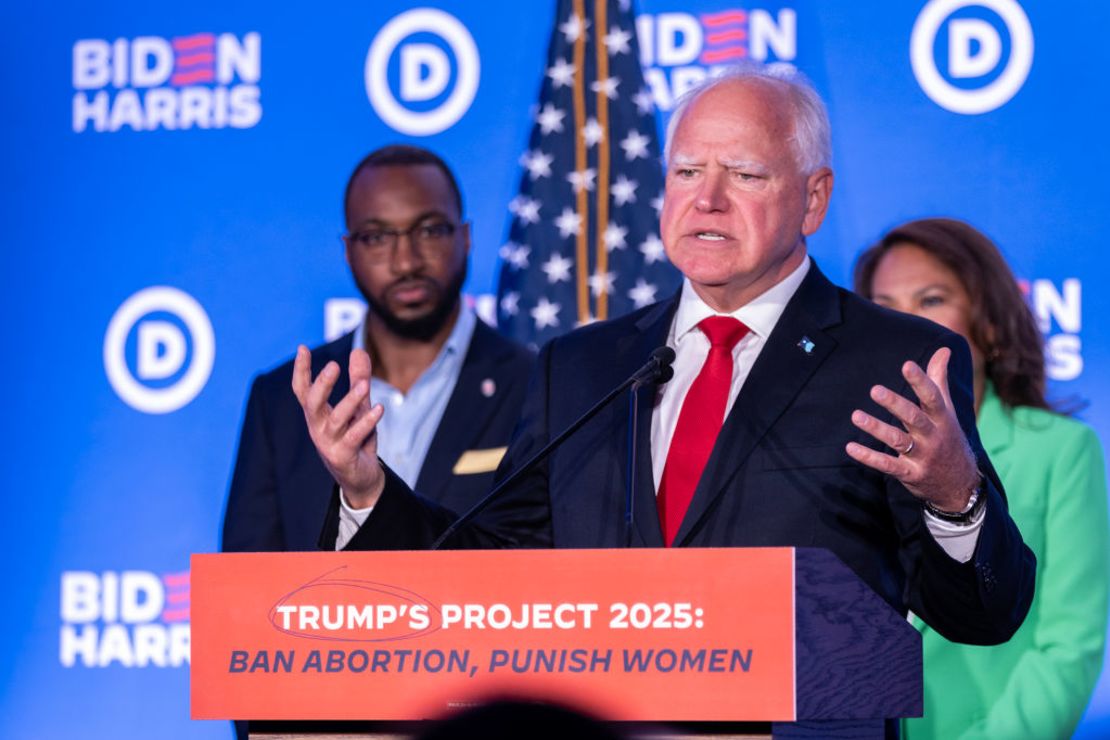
pixel 782 642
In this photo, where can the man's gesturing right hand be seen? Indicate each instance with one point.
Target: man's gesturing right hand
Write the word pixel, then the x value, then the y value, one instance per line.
pixel 345 436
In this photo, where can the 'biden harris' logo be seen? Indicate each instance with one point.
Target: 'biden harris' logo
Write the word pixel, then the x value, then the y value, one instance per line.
pixel 131 618
pixel 159 350
pixel 147 83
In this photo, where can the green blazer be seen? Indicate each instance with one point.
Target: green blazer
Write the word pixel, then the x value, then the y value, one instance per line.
pixel 1038 684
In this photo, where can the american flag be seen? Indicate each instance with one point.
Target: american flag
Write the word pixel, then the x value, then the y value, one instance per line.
pixel 584 237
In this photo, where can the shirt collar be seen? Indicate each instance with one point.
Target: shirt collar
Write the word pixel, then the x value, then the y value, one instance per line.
pixel 760 314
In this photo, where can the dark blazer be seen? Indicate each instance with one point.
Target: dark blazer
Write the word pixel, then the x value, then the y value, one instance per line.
pixel 280 489
pixel 777 476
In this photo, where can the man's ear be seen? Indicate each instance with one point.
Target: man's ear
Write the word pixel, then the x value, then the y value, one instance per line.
pixel 819 187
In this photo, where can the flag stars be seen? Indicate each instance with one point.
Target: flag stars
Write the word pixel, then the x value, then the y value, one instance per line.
pixel 568 223
pixel 545 313
pixel 615 235
pixel 561 74
pixel 528 211
pixel 510 303
pixel 616 42
pixel 550 119
pixel 628 262
pixel 608 86
pixel 643 293
pixel 657 204
pixel 525 208
pixel 582 179
pixel 624 190
pixel 516 255
pixel 635 145
pixel 601 283
pixel 538 164
pixel 573 28
pixel 557 268
pixel 652 249
pixel 592 132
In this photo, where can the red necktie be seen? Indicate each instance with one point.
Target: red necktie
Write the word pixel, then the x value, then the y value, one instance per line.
pixel 699 423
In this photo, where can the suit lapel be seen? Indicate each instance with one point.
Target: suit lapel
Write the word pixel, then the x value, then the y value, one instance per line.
pixel 652 332
pixel 484 361
pixel 798 345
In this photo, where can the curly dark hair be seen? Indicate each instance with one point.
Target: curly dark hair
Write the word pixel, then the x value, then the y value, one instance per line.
pixel 1002 324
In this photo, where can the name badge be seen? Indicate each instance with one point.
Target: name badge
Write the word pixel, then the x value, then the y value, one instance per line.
pixel 479 461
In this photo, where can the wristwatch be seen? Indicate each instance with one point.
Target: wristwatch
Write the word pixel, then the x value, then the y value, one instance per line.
pixel 974 504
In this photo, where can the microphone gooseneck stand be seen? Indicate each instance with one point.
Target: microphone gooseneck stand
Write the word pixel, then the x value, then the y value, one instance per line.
pixel 664 372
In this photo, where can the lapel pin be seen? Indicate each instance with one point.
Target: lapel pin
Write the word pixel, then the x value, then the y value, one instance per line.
pixel 489 387
pixel 806 345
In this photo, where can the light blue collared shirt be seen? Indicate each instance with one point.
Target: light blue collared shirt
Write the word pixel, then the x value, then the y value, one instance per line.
pixel 411 420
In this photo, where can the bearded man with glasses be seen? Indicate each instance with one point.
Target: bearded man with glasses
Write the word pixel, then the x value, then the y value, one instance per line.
pixel 453 386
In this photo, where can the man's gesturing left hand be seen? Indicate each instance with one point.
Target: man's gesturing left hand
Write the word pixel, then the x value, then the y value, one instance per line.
pixel 934 461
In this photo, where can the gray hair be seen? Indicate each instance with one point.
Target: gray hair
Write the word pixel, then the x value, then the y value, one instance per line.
pixel 812 140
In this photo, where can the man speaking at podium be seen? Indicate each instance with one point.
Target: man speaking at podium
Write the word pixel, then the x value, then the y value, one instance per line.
pixel 798 414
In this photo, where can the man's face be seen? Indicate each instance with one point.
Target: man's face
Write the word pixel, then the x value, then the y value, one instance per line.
pixel 737 208
pixel 411 282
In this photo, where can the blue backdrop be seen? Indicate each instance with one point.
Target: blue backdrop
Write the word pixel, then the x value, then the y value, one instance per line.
pixel 172 180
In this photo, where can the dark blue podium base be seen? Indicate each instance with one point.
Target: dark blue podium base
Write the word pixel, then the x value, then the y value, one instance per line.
pixel 852 729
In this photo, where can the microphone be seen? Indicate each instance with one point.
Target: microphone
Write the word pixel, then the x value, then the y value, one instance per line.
pixel 656 370
pixel 659 370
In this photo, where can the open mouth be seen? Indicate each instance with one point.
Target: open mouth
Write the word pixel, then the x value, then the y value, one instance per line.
pixel 710 236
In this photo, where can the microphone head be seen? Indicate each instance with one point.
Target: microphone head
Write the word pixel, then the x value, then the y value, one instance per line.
pixel 658 368
pixel 664 354
pixel 663 357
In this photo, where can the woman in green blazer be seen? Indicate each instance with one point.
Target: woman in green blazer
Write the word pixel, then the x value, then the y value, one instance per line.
pixel 1038 684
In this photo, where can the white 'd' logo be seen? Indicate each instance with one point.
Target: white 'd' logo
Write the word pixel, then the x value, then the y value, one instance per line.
pixel 161 350
pixel 425 72
pixel 965 36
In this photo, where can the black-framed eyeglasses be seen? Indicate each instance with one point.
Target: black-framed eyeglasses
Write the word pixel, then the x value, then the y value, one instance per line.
pixel 431 239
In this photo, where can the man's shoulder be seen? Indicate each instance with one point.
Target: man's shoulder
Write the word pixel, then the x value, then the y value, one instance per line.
pixel 605 333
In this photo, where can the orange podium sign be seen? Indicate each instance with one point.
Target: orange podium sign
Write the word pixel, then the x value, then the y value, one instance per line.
pixel 647 634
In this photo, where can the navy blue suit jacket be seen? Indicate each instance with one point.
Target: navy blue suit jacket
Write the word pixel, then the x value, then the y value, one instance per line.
pixel 280 490
pixel 778 475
